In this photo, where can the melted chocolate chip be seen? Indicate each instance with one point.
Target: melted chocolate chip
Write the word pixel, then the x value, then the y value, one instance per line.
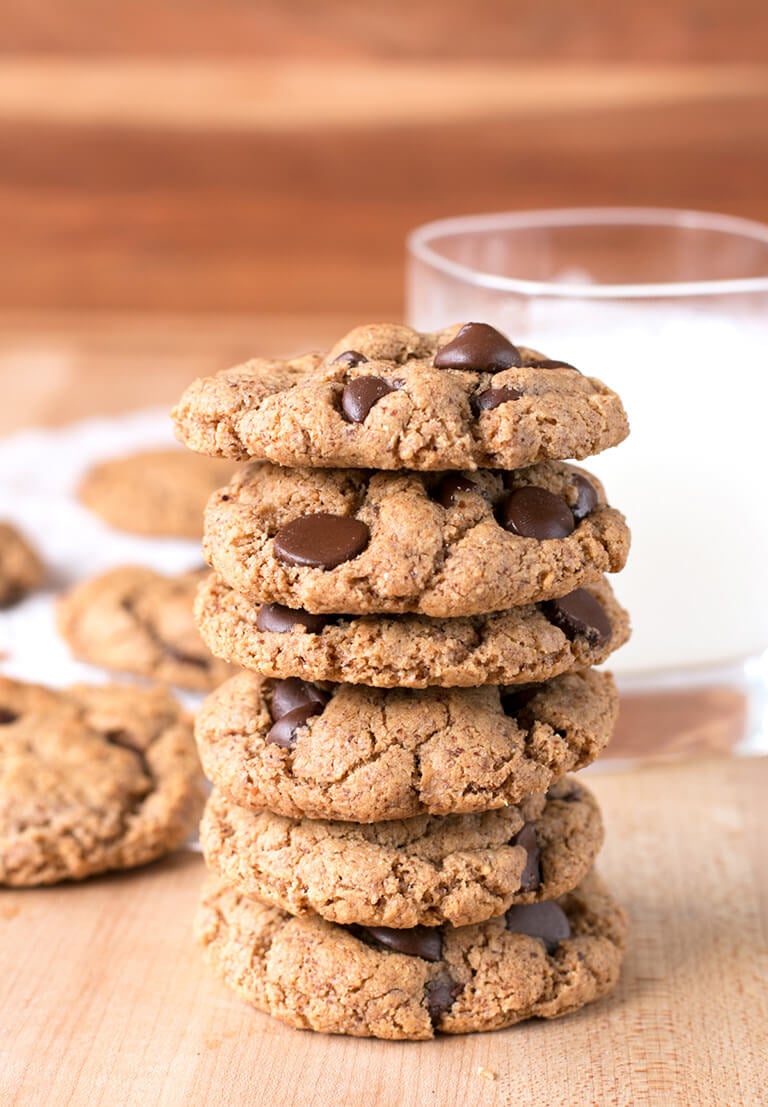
pixel 579 614
pixel 586 498
pixel 418 941
pixel 291 693
pixel 535 512
pixel 321 541
pixel 480 347
pixel 440 995
pixel 7 716
pixel 361 394
pixel 495 397
pixel 546 921
pixel 450 487
pixel 547 363
pixel 350 358
pixel 283 733
pixel 278 619
pixel 531 875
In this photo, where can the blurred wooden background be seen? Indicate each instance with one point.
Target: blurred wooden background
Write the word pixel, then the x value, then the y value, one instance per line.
pixel 186 182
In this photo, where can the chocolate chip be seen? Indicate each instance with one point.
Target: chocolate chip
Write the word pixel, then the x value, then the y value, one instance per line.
pixel 418 941
pixel 291 693
pixel 283 733
pixel 278 619
pixel 361 394
pixel 546 921
pixel 450 486
pixel 579 614
pixel 7 716
pixel 535 512
pixel 547 363
pixel 531 876
pixel 586 498
pixel 321 541
pixel 495 397
pixel 440 995
pixel 350 358
pixel 480 347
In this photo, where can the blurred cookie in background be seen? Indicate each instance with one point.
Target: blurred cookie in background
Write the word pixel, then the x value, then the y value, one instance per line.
pixel 135 620
pixel 160 493
pixel 92 779
pixel 21 570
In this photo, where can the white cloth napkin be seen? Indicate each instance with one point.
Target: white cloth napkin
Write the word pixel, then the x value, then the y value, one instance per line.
pixel 39 474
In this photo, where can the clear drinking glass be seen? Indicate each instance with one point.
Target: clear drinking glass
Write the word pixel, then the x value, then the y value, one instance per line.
pixel 670 308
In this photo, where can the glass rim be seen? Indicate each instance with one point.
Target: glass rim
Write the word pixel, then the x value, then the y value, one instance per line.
pixel 418 243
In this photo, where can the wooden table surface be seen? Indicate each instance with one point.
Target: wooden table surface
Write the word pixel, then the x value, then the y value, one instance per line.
pixel 105 1000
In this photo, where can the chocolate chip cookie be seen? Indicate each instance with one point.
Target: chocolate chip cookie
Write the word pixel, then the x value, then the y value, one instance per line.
pixel 444 545
pixel 424 871
pixel 538 960
pixel 367 754
pixel 21 570
pixel 387 397
pixel 92 778
pixel 159 493
pixel 135 620
pixel 530 643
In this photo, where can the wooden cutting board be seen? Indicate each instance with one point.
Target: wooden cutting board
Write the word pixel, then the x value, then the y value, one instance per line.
pixel 104 999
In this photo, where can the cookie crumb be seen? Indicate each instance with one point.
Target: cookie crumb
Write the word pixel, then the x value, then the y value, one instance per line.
pixel 486 1074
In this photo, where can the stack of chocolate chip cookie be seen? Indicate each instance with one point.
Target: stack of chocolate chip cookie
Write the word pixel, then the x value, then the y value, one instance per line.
pixel 413 583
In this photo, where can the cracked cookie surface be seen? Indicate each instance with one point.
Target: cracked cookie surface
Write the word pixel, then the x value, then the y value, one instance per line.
pixel 160 493
pixel 135 620
pixel 405 651
pixel 461 869
pixel 370 754
pixel 298 412
pixel 21 569
pixel 315 975
pixel 409 551
pixel 92 778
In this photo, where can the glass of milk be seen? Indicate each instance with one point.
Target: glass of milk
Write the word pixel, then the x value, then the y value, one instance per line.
pixel 669 308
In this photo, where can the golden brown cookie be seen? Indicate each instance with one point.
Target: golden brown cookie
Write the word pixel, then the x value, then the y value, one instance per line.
pixel 91 779
pixel 432 869
pixel 541 960
pixel 530 643
pixel 387 397
pixel 368 754
pixel 160 493
pixel 21 569
pixel 444 545
pixel 135 620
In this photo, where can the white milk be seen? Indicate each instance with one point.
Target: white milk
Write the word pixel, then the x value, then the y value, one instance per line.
pixel 692 476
